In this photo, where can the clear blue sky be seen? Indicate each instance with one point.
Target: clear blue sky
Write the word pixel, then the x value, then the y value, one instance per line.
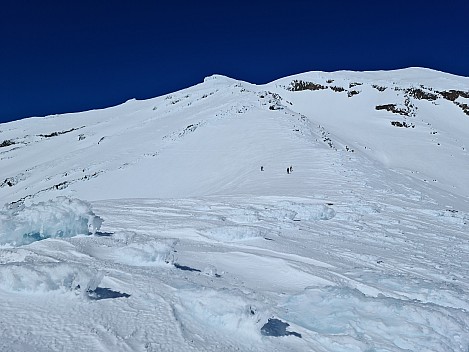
pixel 65 56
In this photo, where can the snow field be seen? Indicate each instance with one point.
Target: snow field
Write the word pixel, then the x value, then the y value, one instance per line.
pixel 201 250
pixel 221 131
pixel 339 286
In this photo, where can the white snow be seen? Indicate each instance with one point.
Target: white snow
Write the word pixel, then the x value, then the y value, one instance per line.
pixel 352 321
pixel 34 278
pixel 151 227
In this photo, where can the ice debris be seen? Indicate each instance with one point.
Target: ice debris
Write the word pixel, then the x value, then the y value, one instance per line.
pixel 61 217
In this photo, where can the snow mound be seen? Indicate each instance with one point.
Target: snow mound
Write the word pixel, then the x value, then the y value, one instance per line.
pixel 377 323
pixel 147 254
pixel 62 217
pixel 301 211
pixel 246 216
pixel 208 309
pixel 426 290
pixel 22 277
pixel 235 233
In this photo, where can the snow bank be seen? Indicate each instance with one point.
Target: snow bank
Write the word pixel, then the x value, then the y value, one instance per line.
pixel 345 317
pixel 300 211
pixel 235 233
pixel 63 277
pixel 62 217
pixel 208 309
pixel 147 254
pixel 313 212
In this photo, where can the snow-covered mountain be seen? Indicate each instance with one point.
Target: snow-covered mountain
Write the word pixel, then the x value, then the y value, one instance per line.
pixel 212 138
pixel 208 243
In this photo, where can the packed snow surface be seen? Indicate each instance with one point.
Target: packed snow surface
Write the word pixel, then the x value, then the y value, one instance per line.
pixel 172 224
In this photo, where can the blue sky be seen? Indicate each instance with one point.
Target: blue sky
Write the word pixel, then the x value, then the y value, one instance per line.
pixel 58 57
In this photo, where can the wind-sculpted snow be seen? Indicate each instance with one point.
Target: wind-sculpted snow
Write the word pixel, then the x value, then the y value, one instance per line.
pixel 350 318
pixel 34 278
pixel 210 308
pixel 152 253
pixel 308 212
pixel 149 253
pixel 62 217
pixel 245 273
pixel 236 233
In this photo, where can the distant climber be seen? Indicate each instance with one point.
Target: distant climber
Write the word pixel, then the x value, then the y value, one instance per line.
pixel 291 169
pixel 262 168
pixel 288 170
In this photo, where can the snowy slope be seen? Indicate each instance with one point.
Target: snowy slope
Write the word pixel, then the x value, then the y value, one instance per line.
pixel 213 138
pixel 363 247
